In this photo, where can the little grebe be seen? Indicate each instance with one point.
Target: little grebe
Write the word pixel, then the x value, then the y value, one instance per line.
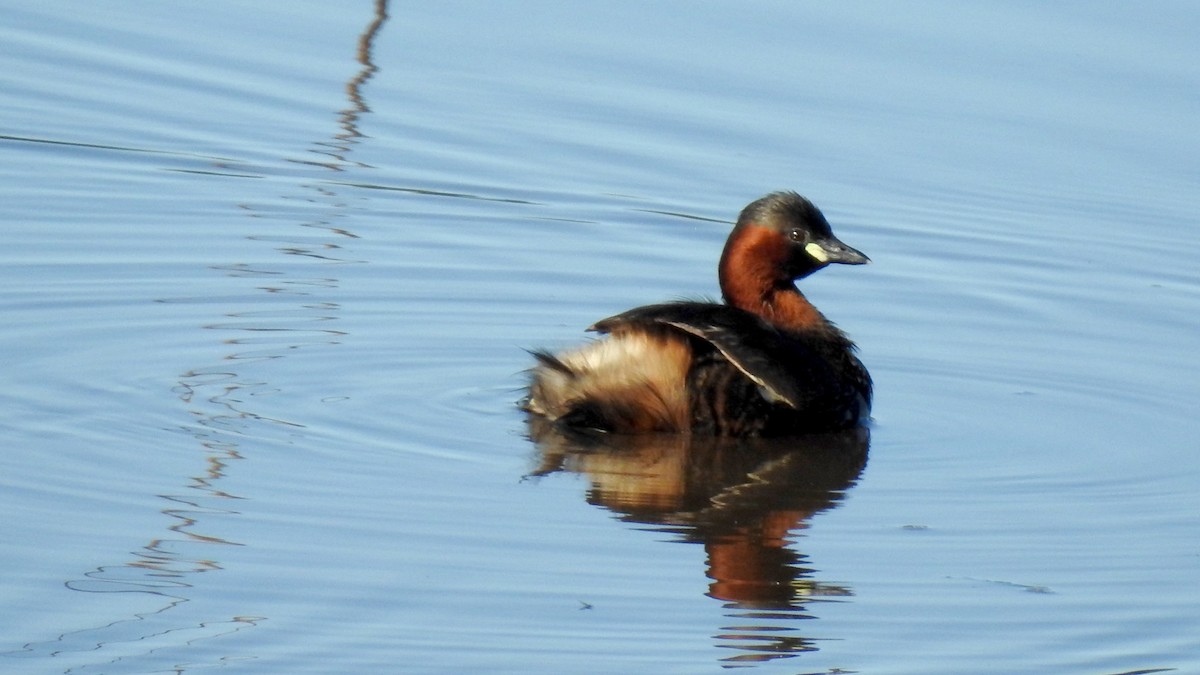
pixel 765 363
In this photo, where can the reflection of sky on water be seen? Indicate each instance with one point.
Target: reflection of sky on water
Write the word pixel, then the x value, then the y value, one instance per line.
pixel 228 232
pixel 220 407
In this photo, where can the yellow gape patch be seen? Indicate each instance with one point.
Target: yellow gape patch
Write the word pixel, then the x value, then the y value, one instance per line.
pixel 814 249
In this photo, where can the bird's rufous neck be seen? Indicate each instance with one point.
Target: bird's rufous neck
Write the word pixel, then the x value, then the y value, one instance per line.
pixel 753 277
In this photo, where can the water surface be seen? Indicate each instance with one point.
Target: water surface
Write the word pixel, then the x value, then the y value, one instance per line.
pixel 270 270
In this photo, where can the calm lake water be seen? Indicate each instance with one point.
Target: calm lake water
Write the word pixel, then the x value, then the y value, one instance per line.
pixel 270 269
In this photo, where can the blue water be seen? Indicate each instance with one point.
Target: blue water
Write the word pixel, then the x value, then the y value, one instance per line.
pixel 270 270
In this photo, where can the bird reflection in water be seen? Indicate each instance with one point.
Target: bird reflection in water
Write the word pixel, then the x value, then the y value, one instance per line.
pixel 740 498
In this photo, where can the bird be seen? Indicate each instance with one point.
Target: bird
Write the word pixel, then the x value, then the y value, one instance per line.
pixel 764 362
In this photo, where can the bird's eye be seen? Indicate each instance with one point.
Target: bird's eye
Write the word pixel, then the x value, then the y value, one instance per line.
pixel 796 235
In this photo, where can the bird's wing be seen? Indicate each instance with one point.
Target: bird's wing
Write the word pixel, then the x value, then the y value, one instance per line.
pixel 753 346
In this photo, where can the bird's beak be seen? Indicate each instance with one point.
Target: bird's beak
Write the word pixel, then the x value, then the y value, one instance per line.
pixel 831 250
